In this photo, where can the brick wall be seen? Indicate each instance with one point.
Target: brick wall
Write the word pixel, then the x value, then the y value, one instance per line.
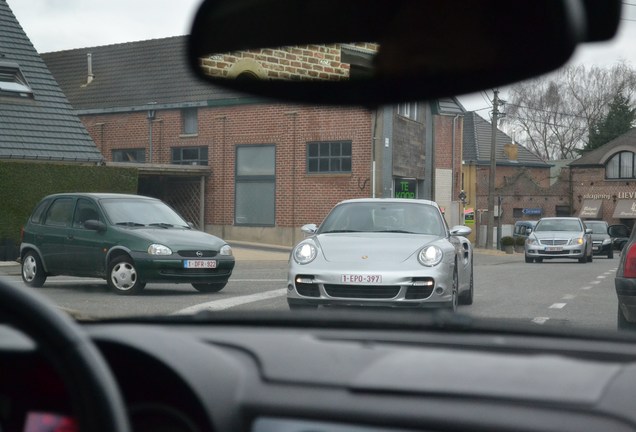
pixel 590 183
pixel 443 126
pixel 320 62
pixel 300 197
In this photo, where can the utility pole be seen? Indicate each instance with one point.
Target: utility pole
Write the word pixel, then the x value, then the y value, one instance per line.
pixel 493 169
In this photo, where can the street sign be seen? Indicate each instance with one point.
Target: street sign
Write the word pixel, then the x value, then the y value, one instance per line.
pixel 532 211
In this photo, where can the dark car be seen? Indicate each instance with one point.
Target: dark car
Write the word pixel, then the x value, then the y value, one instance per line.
pixel 625 285
pixel 620 235
pixel 601 241
pixel 523 229
pixel 128 240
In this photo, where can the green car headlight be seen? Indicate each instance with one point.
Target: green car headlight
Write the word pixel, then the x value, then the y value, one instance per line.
pixel 159 249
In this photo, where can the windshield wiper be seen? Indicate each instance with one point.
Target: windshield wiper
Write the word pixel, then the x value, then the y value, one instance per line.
pixel 131 224
pixel 397 231
pixel 162 225
pixel 338 231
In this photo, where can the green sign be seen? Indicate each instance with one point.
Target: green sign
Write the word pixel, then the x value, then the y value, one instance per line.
pixel 406 188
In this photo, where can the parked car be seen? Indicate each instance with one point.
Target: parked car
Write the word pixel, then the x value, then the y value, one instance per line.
pixel 523 229
pixel 382 252
pixel 601 241
pixel 129 240
pixel 559 237
pixel 625 285
pixel 620 235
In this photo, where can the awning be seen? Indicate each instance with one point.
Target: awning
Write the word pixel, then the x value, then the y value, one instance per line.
pixel 625 209
pixel 590 209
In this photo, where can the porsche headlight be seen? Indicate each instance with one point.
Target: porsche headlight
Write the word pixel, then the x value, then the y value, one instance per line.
pixel 576 241
pixel 159 249
pixel 305 253
pixel 226 250
pixel 430 256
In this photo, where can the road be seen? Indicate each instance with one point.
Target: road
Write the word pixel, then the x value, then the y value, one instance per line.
pixel 558 292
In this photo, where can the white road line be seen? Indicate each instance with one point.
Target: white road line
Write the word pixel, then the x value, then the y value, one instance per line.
pixel 217 305
pixel 586 287
pixel 540 320
pixel 557 306
pixel 595 282
pixel 601 277
pixel 568 296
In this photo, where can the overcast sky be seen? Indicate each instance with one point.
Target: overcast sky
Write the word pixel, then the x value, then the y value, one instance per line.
pixel 55 25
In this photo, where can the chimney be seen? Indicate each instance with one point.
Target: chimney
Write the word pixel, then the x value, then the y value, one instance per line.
pixel 91 76
pixel 512 152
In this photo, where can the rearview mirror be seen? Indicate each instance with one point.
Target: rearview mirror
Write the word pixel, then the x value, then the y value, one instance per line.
pixel 380 51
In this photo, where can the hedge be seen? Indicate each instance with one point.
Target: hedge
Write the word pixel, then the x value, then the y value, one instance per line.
pixel 24 184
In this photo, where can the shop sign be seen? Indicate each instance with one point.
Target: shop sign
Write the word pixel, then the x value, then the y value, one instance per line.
pixel 406 188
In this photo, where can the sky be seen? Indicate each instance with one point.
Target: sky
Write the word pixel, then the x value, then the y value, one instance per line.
pixel 56 25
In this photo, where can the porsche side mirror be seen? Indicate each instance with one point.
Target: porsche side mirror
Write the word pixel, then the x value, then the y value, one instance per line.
pixel 309 228
pixel 460 231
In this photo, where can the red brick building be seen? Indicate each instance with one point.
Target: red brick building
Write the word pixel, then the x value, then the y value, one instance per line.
pixel 604 182
pixel 241 167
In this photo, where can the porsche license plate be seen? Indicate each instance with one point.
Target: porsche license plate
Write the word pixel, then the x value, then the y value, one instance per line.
pixel 361 279
pixel 204 264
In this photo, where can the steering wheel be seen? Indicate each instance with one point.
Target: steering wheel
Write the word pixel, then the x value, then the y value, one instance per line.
pixel 95 398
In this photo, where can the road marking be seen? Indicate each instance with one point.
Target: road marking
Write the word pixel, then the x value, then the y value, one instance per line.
pixel 568 296
pixel 586 287
pixel 601 277
pixel 557 306
pixel 595 282
pixel 540 320
pixel 217 305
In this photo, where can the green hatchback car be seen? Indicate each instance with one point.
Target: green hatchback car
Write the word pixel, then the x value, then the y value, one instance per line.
pixel 129 240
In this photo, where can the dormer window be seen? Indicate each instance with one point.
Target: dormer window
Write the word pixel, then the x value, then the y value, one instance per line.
pixel 620 166
pixel 12 81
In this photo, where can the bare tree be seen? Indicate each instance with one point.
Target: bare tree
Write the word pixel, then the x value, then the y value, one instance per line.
pixel 555 111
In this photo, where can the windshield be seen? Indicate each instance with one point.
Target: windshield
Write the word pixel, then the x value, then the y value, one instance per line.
pixel 558 225
pixel 267 205
pixel 597 228
pixel 384 217
pixel 140 212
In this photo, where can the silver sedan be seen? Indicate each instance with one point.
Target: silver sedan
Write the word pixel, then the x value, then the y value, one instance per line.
pixel 559 237
pixel 382 252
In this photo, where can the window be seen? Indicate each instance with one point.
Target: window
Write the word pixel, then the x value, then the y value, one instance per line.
pixel 517 213
pixel 255 199
pixel 189 121
pixel 12 81
pixel 408 110
pixel 60 212
pixel 329 157
pixel 620 166
pixel 39 211
pixel 190 155
pixel 85 210
pixel 129 155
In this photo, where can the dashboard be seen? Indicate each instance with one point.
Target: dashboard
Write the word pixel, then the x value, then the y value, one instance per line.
pixel 284 378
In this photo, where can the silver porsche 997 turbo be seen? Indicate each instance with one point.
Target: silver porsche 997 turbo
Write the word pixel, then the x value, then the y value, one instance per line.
pixel 382 252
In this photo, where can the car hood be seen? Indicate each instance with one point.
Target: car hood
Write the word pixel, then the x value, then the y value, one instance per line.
pixel 378 247
pixel 546 235
pixel 178 238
